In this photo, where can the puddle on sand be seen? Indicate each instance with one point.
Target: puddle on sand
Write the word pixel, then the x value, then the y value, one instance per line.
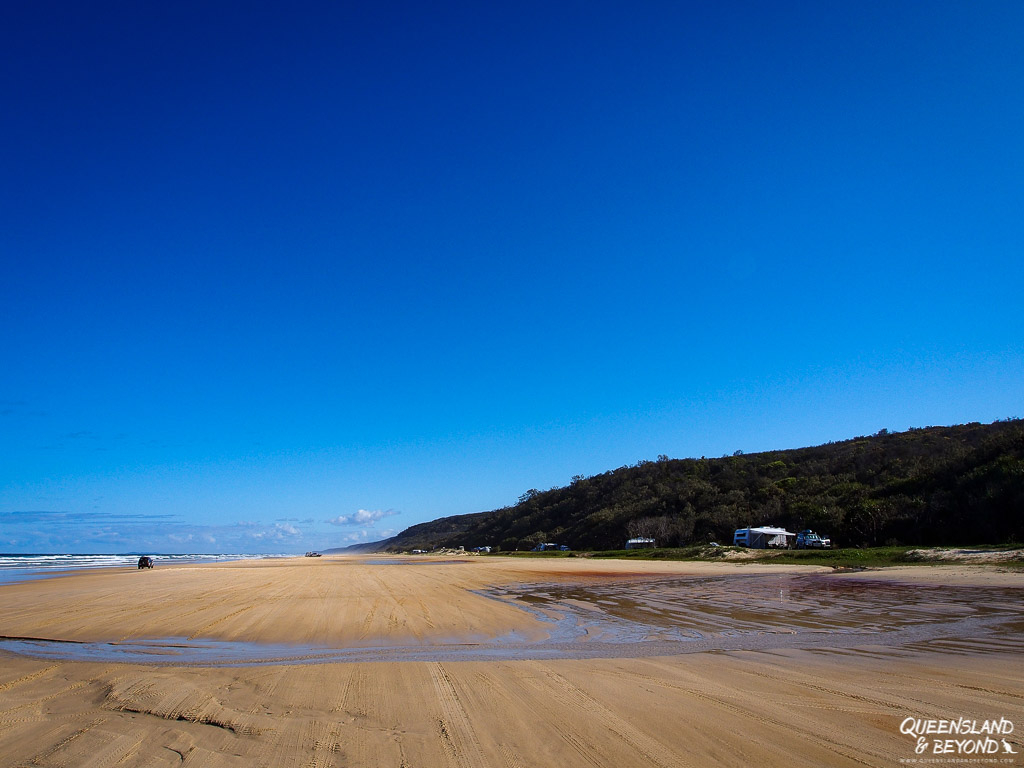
pixel 794 610
pixel 216 653
pixel 775 603
pixel 653 617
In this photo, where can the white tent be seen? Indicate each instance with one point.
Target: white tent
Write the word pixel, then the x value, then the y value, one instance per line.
pixel 640 542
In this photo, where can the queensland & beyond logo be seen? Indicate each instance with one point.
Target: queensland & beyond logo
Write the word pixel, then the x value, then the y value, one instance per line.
pixel 960 737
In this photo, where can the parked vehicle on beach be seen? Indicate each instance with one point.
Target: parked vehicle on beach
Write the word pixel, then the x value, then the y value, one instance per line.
pixel 145 562
pixel 810 540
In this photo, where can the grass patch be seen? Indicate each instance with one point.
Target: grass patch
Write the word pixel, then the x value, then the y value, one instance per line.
pixel 868 557
pixel 697 552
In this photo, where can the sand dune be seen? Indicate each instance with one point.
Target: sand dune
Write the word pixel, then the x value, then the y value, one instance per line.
pixel 807 702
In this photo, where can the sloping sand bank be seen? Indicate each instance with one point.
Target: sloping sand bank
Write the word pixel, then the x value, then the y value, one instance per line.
pixel 837 667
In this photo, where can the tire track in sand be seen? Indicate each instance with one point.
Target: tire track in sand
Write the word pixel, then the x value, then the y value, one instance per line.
pixel 27 678
pixel 7 716
pixel 461 746
pixel 67 740
pixel 575 699
pixel 820 739
pixel 371 614
pixel 204 629
pixel 533 697
pixel 799 724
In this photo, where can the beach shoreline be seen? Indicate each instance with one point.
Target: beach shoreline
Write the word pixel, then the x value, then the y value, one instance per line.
pixel 835 661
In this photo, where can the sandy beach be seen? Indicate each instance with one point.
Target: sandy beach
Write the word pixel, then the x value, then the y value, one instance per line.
pixel 504 662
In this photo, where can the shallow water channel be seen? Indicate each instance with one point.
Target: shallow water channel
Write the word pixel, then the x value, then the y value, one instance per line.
pixel 637 617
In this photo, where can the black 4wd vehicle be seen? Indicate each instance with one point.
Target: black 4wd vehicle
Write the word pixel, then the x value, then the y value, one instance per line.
pixel 810 540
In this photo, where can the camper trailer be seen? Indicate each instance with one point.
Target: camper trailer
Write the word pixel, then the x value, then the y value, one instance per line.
pixel 765 537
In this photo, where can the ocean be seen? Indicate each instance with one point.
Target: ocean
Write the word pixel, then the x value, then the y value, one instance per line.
pixel 17 567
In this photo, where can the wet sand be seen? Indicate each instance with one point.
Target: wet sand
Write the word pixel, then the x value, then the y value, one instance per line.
pixel 503 662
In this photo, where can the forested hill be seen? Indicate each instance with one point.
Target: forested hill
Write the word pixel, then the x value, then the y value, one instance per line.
pixel 939 485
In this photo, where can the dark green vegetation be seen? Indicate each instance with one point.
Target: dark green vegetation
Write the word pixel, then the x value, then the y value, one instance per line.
pixel 930 487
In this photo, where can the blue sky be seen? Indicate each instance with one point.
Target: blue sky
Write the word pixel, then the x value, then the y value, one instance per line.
pixel 279 277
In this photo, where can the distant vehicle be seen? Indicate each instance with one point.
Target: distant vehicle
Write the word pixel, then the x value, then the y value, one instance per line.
pixel 312 554
pixel 548 546
pixel 145 562
pixel 810 540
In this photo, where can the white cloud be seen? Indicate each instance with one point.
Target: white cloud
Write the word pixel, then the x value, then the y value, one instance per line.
pixel 107 534
pixel 365 534
pixel 278 533
pixel 363 517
